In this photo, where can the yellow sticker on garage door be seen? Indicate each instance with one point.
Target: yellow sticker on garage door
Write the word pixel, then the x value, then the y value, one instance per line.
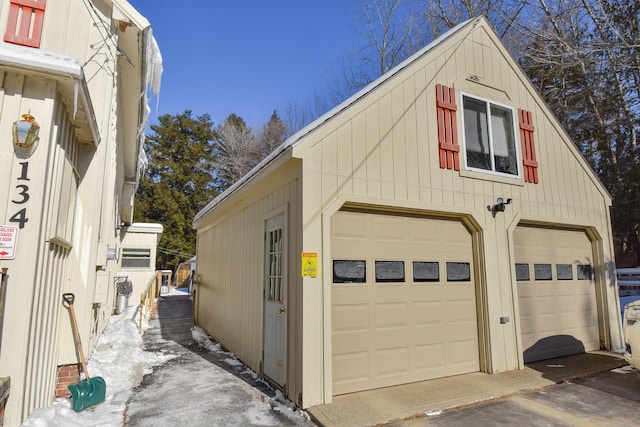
pixel 309 264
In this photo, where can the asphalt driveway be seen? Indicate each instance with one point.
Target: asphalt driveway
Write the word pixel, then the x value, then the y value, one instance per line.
pixel 608 399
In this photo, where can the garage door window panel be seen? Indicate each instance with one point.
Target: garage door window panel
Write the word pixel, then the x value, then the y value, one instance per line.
pixel 349 271
pixel 585 272
pixel 522 272
pixel 542 271
pixel 489 138
pixel 564 271
pixel 389 271
pixel 426 271
pixel 458 272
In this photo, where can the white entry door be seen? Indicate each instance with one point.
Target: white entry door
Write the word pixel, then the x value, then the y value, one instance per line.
pixel 275 315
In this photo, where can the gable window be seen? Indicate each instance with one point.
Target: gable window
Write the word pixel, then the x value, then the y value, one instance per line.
pixel 489 138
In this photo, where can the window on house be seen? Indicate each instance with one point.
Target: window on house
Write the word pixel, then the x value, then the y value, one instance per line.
pixel 489 138
pixel 136 258
pixel 275 267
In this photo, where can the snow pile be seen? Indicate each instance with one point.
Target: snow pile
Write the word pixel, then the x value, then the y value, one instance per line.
pixel 118 358
pixel 624 370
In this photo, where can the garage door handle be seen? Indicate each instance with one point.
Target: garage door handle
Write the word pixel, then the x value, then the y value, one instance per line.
pixel 280 310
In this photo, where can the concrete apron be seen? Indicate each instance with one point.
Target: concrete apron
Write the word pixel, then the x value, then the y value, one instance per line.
pixel 383 405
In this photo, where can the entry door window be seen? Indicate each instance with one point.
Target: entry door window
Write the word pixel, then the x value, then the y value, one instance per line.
pixel 274 275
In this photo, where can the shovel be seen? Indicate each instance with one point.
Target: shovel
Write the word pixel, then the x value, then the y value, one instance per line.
pixel 90 391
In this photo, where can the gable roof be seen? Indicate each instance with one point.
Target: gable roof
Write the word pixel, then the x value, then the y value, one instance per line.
pixel 296 138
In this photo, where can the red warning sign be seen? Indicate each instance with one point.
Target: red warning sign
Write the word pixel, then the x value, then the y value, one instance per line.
pixel 8 239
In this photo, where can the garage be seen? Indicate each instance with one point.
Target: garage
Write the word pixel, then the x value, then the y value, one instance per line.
pixel 403 300
pixel 556 292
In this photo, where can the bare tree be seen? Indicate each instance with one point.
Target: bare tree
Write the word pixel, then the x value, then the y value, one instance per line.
pixel 234 148
pixel 388 25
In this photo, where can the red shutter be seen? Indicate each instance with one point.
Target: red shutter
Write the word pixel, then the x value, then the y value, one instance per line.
pixel 528 147
pixel 24 24
pixel 447 129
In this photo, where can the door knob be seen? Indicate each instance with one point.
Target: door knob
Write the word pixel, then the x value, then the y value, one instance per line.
pixel 280 310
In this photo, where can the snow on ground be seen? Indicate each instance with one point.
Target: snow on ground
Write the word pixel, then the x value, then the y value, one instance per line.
pixel 119 358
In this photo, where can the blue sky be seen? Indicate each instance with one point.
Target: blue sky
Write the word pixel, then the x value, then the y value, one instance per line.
pixel 247 56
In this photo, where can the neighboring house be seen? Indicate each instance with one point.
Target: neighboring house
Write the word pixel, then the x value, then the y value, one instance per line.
pixel 80 69
pixel 138 257
pixel 439 222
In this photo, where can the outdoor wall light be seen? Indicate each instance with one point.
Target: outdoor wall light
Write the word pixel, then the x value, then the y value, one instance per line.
pixel 499 206
pixel 25 131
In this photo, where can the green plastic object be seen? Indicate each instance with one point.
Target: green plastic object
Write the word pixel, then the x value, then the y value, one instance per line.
pixel 88 392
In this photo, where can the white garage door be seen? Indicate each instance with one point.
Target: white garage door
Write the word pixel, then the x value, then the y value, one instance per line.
pixel 556 292
pixel 403 300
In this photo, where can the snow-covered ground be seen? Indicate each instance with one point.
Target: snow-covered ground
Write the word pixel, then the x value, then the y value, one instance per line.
pixel 120 359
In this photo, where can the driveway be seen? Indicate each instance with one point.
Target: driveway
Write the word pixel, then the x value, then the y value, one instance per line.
pixel 609 399
pixel 201 386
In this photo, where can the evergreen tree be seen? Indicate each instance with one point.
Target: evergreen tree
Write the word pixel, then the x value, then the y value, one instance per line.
pixel 176 184
pixel 270 138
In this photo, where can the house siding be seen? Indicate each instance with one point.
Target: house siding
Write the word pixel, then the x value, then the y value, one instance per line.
pixel 75 180
pixel 230 271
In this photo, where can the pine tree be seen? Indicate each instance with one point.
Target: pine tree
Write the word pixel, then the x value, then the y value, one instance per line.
pixel 176 185
pixel 270 138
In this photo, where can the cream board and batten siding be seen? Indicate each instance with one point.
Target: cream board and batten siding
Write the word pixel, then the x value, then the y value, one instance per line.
pixel 18 321
pixel 230 271
pixel 48 96
pixel 51 258
pixel 382 151
pixel 378 152
pixel 44 257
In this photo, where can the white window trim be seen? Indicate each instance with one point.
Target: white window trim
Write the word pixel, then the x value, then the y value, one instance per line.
pixel 516 137
pixel 124 256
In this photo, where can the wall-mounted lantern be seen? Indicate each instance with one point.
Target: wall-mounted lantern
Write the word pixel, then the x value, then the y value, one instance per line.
pixel 499 206
pixel 25 131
